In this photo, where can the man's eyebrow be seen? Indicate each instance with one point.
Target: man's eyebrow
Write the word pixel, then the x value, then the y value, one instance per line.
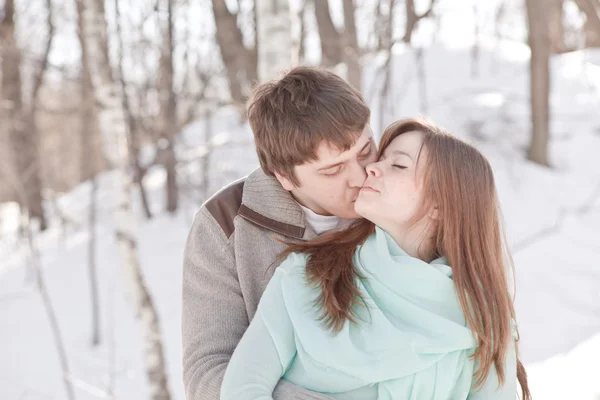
pixel 368 144
pixel 331 166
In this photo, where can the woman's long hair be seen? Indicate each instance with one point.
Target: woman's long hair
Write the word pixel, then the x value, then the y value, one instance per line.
pixel 459 182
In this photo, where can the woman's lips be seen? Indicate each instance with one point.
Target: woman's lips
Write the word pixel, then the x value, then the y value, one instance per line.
pixel 369 189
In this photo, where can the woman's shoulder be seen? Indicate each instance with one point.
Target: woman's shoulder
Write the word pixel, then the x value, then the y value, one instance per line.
pixel 294 263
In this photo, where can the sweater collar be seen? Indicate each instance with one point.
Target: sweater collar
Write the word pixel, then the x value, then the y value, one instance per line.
pixel 267 204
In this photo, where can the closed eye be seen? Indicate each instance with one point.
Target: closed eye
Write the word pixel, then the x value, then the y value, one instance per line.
pixel 399 166
pixel 333 173
pixel 367 152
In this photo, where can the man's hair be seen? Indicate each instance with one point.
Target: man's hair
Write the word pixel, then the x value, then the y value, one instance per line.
pixel 291 116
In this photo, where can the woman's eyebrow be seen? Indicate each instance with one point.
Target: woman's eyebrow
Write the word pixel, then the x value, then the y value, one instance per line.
pixel 398 152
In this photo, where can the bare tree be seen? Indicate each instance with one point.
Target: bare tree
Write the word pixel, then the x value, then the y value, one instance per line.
pixel 591 9
pixel 240 61
pixel 113 125
pixel 339 46
pixel 34 271
pixel 412 18
pixel 168 107
pixel 383 23
pixel 422 79
pixel 89 166
pixel 161 100
pixel 299 43
pixel 134 122
pixel 539 77
pixel 135 146
pixel 331 48
pixel 556 26
pixel 475 50
pixel 24 133
pixel 49 308
pixel 351 51
pixel 386 69
pixel 274 38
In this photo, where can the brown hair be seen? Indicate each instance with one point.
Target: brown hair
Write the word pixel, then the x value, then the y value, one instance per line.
pixel 290 117
pixel 459 181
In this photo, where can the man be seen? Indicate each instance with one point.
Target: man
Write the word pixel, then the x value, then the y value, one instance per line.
pixel 313 141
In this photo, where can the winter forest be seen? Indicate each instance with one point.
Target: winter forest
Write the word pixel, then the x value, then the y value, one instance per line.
pixel 119 118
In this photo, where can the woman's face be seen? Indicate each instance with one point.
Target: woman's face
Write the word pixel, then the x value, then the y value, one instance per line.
pixel 392 193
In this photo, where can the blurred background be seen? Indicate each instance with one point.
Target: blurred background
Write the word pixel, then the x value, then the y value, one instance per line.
pixel 119 118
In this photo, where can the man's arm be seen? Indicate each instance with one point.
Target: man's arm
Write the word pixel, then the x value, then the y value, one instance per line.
pixel 214 316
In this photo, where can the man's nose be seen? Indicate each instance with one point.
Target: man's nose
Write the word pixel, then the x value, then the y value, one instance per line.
pixel 357 176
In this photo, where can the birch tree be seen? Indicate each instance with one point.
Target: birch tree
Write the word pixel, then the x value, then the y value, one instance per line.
pixel 539 76
pixel 339 46
pixel 23 132
pixel 240 60
pixel 591 10
pixel 350 49
pixel 89 167
pixel 274 38
pixel 330 38
pixel 113 126
pixel 168 105
pixel 556 26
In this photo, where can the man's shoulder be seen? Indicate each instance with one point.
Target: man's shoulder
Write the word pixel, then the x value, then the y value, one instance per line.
pixel 223 206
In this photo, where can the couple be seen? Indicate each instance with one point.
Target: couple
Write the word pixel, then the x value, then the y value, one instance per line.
pixel 339 271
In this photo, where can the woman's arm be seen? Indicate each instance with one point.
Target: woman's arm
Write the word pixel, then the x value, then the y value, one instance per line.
pixel 490 389
pixel 264 352
pixel 254 369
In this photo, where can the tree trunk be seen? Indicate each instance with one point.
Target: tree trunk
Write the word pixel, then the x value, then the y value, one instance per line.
pixel 35 189
pixel 331 46
pixel 591 9
pixel 40 284
pixel 113 126
pixel 556 26
pixel 350 45
pixel 23 134
pixel 26 146
pixel 274 38
pixel 89 168
pixel 475 50
pixel 239 61
pixel 172 187
pixel 168 106
pixel 539 42
pixel 412 18
pixel 132 126
pixel 380 27
pixel 301 49
pixel 94 296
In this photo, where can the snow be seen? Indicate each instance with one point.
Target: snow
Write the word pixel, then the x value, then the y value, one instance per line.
pixel 552 217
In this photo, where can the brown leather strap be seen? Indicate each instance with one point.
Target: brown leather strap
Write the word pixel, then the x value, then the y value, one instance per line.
pixel 225 205
pixel 294 231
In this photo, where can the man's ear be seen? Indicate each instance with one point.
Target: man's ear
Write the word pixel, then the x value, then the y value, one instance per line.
pixel 285 182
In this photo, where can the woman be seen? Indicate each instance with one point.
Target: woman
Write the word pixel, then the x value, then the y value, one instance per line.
pixel 410 303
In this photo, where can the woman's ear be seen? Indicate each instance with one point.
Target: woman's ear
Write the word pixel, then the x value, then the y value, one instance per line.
pixel 434 213
pixel 285 182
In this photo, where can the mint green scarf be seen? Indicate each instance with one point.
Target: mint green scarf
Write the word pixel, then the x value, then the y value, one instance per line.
pixel 411 339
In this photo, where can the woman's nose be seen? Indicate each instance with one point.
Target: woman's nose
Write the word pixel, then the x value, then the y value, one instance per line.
pixel 373 170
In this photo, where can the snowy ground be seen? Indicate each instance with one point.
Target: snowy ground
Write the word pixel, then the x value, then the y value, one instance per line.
pixel 552 217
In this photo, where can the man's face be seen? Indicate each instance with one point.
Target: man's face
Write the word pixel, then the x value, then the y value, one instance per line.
pixel 330 185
